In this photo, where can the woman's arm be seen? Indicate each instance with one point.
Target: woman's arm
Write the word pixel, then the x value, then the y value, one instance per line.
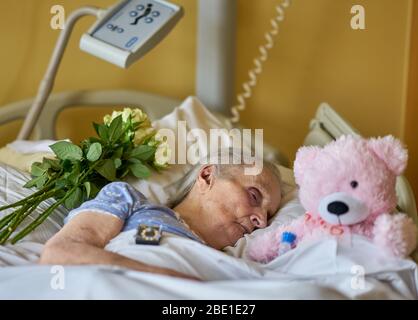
pixel 82 241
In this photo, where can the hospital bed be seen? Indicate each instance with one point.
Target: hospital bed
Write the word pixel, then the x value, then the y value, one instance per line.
pixel 20 279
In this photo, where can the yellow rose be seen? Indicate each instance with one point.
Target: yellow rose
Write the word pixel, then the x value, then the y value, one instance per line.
pixel 137 115
pixel 162 155
pixel 142 134
pixel 140 116
pixel 126 113
pixel 107 119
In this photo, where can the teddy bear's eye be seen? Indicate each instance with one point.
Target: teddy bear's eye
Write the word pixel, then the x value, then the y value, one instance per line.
pixel 354 184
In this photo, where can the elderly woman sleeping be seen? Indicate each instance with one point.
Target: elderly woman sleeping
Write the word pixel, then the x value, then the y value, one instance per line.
pixel 217 207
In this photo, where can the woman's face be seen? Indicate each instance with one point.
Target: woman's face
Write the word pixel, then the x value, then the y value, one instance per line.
pixel 236 204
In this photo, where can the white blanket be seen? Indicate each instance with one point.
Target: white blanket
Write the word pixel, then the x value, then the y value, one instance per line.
pixel 323 270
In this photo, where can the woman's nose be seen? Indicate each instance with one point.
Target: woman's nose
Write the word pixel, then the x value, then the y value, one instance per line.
pixel 258 221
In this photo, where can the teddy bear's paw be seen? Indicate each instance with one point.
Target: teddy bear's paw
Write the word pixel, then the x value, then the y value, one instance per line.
pixel 396 233
pixel 264 248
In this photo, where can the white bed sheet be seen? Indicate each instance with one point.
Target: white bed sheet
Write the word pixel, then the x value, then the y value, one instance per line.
pixel 319 271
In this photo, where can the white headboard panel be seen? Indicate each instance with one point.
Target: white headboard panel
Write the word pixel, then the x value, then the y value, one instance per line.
pixel 216 53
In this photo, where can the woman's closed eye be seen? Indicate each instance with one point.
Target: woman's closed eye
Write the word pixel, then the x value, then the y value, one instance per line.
pixel 255 196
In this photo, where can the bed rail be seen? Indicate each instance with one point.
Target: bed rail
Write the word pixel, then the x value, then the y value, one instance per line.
pixel 154 105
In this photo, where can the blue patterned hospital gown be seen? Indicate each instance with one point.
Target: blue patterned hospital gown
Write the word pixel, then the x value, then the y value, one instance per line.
pixel 126 203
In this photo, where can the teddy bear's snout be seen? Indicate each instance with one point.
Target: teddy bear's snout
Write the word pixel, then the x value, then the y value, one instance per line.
pixel 341 208
pixel 337 208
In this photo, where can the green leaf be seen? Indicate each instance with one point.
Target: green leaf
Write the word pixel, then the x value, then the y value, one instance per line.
pixel 72 178
pixel 134 160
pixel 53 163
pixel 74 175
pixel 41 182
pixel 65 150
pixel 61 183
pixel 45 165
pixel 31 183
pixel 75 199
pixel 95 151
pixel 116 128
pixel 94 190
pixel 87 186
pixel 140 171
pixel 96 127
pixel 107 170
pixel 59 194
pixel 67 165
pixel 118 153
pixel 117 162
pixel 37 170
pixel 143 152
pixel 34 182
pixel 103 132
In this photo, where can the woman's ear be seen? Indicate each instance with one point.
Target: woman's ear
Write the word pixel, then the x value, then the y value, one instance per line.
pixel 206 177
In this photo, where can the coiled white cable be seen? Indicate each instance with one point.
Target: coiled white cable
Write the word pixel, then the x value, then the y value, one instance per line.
pixel 259 61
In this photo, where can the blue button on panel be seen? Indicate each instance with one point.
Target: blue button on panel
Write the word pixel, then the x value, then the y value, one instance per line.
pixel 149 20
pixel 155 14
pixel 131 42
pixel 140 7
pixel 133 13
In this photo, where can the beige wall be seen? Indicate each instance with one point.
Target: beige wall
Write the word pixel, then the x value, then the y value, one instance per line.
pixel 362 74
pixel 320 58
pixel 411 112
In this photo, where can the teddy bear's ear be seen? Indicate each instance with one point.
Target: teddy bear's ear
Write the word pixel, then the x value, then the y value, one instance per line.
pixel 304 157
pixel 391 151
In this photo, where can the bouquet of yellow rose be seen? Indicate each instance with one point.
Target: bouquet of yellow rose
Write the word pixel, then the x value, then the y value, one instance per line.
pixel 126 144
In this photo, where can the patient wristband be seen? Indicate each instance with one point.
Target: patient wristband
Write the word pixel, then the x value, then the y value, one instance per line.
pixel 149 235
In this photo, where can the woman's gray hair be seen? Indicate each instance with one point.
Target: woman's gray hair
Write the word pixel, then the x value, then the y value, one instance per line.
pixel 185 185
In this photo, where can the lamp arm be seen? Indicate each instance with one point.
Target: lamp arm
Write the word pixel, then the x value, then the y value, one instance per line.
pixel 47 82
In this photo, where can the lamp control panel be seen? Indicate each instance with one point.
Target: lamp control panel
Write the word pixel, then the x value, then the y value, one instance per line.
pixel 130 29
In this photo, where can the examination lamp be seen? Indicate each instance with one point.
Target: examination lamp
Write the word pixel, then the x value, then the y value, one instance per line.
pixel 122 34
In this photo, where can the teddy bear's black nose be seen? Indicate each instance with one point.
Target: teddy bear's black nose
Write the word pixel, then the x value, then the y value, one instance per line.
pixel 337 208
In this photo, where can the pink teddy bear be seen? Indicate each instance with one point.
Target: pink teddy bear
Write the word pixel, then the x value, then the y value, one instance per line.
pixel 347 187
